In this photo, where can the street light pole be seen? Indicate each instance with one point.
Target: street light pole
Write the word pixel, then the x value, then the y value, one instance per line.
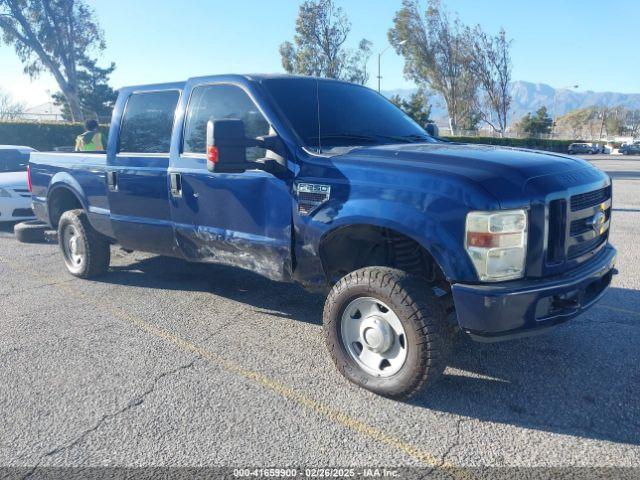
pixel 379 70
pixel 380 62
pixel 555 101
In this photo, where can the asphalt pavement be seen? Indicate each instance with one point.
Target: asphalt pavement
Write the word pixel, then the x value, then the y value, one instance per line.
pixel 165 363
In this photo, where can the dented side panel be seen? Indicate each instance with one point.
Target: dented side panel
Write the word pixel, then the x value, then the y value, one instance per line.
pixel 242 220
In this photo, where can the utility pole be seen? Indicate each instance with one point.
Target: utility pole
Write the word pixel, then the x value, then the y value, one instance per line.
pixel 379 70
pixel 380 63
pixel 603 115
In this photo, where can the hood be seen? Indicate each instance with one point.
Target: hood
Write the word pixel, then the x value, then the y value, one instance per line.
pixel 13 179
pixel 506 173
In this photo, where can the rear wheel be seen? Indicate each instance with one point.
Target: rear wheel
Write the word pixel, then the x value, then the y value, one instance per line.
pixel 386 331
pixel 86 253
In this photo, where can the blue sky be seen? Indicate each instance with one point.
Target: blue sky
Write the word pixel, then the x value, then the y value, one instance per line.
pixel 591 43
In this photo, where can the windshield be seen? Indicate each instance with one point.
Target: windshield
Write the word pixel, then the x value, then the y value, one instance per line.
pixel 13 161
pixel 327 114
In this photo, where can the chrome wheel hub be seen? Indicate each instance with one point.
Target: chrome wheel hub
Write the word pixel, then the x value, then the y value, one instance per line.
pixel 374 336
pixel 72 247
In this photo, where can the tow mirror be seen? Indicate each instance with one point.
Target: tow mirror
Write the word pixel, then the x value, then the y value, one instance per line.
pixel 432 129
pixel 227 146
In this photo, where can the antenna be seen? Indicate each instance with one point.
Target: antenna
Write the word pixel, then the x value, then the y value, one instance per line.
pixel 318 103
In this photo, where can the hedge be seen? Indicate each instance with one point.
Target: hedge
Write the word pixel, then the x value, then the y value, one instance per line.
pixel 42 136
pixel 560 146
pixel 47 136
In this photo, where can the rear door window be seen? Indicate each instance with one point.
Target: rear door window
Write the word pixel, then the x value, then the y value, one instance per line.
pixel 148 122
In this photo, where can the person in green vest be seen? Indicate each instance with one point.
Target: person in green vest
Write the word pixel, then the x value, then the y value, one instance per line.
pixel 91 140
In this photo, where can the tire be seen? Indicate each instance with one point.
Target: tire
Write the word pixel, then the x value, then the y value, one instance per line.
pixel 31 231
pixel 86 253
pixel 423 318
pixel 570 152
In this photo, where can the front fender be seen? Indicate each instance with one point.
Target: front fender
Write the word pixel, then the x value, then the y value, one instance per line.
pixel 440 230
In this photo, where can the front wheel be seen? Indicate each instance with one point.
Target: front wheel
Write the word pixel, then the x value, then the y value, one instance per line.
pixel 386 331
pixel 86 253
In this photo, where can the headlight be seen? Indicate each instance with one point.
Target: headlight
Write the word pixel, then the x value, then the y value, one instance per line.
pixel 497 244
pixel 4 193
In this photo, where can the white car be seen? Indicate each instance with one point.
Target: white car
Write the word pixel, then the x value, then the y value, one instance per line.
pixel 15 198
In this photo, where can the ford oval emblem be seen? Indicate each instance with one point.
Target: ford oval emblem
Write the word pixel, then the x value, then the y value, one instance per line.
pixel 598 221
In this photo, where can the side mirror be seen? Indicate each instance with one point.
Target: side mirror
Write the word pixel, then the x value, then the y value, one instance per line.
pixel 432 129
pixel 226 146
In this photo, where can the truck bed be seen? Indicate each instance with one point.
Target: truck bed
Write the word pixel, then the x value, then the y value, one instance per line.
pixel 85 173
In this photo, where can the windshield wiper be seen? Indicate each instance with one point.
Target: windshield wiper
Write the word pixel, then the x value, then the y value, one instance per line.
pixel 354 136
pixel 418 137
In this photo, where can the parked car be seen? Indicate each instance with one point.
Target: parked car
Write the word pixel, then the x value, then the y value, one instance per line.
pixel 15 198
pixel 583 148
pixel 630 149
pixel 328 184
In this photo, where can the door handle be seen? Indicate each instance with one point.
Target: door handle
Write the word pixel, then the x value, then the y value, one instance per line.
pixel 112 181
pixel 175 180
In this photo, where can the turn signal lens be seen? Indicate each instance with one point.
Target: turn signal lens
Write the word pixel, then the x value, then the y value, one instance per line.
pixel 212 154
pixel 497 244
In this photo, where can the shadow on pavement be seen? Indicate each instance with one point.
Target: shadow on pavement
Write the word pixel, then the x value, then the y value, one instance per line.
pixel 285 300
pixel 581 379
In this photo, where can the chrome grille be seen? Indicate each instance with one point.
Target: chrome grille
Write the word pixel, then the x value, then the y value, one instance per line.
pixel 581 225
pixel 590 199
pixel 583 248
pixel 572 235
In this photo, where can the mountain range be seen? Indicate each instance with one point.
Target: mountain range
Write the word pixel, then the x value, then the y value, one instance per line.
pixel 529 97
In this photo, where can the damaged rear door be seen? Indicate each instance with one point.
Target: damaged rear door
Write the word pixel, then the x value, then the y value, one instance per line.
pixel 239 219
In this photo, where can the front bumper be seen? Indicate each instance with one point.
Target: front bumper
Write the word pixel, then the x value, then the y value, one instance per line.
pixel 494 312
pixel 14 209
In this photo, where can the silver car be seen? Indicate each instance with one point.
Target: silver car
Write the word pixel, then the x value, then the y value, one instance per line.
pixel 15 198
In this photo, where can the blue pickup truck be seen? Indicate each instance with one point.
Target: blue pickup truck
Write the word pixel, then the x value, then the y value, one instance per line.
pixel 329 185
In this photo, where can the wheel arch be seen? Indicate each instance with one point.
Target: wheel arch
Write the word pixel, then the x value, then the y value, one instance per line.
pixel 351 246
pixel 65 193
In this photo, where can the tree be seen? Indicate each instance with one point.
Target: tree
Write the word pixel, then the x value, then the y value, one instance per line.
pixel 537 124
pixel 614 121
pixel 9 108
pixel 53 35
pixel 96 97
pixel 580 123
pixel 632 123
pixel 319 48
pixel 437 53
pixel 491 64
pixel 417 106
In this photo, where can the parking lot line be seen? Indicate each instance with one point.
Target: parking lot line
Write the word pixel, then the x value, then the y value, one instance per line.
pixel 329 413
